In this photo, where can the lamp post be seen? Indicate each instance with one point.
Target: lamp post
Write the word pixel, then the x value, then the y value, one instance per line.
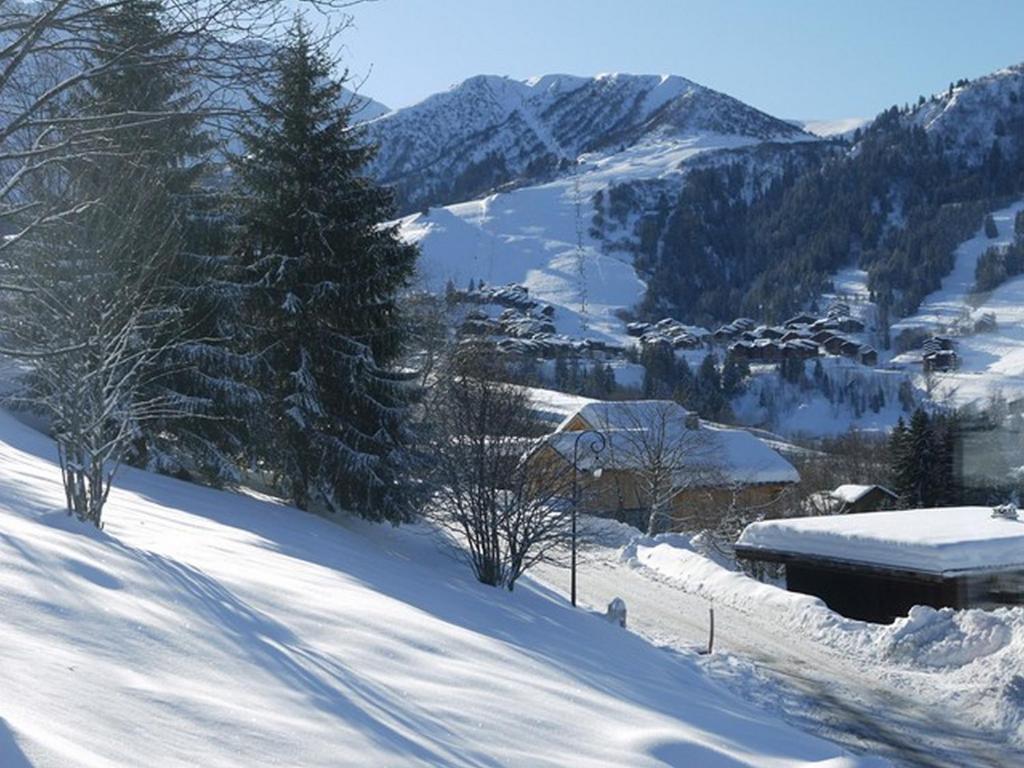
pixel 597 444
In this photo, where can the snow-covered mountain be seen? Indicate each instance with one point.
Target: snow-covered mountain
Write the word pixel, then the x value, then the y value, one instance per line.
pixel 491 131
pixel 971 115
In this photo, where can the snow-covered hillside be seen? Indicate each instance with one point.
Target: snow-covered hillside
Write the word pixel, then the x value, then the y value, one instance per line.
pixel 489 130
pixel 989 362
pixel 970 116
pixel 215 629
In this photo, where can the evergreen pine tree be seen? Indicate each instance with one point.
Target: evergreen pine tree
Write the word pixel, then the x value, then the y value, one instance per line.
pixel 195 378
pixel 324 313
pixel 920 468
pixel 899 452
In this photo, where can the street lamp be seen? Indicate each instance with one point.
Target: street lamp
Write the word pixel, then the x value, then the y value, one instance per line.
pixel 596 445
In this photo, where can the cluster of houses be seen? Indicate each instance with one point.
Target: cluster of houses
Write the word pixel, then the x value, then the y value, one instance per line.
pixel 522 326
pixel 671 332
pixel 802 337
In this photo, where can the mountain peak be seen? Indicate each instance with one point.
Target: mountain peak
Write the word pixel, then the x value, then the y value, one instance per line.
pixel 490 131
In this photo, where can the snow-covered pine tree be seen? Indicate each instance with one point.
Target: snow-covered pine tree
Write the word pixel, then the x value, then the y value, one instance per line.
pixel 197 376
pixel 324 315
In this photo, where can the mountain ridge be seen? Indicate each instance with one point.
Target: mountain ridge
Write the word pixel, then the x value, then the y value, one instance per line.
pixel 491 132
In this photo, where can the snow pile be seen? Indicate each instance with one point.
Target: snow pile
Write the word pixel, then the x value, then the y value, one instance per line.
pixel 216 629
pixel 948 638
pixel 679 558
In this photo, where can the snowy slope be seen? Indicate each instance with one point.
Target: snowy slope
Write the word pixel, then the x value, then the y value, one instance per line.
pixel 839 127
pixel 208 628
pixel 539 236
pixel 970 116
pixel 989 362
pixel 490 130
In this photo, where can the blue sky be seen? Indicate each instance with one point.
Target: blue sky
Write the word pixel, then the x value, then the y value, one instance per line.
pixel 792 58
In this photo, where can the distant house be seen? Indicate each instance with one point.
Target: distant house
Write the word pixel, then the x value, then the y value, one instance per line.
pixel 878 565
pixel 868 356
pixel 850 325
pixel 711 468
pixel 940 360
pixel 855 499
pixel 802 319
pixel 834 345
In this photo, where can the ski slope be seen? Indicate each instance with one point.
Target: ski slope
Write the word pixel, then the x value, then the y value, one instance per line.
pixel 216 629
pixel 539 236
pixel 989 362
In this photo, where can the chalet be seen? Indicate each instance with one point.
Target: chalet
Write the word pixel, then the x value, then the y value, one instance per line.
pixel 799 349
pixel 685 340
pixel 876 566
pixel 797 320
pixel 941 360
pixel 725 333
pixel 825 324
pixel 850 349
pixel 637 329
pixel 742 350
pixel 820 337
pixel 855 499
pixel 838 309
pixel 711 467
pixel 767 332
pixel 850 325
pixel 793 335
pixel 868 356
pixel 834 345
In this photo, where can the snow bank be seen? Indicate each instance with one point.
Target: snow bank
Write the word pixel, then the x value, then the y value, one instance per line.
pixel 948 638
pixel 973 660
pixel 216 629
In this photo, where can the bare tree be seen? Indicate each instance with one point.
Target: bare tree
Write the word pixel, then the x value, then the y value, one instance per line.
pixel 90 328
pixel 506 506
pixel 52 50
pixel 666 451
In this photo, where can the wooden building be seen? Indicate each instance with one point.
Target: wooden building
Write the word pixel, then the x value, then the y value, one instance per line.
pixel 855 499
pixel 878 565
pixel 706 469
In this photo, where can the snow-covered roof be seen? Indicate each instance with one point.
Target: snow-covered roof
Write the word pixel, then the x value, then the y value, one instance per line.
pixel 851 494
pixel 627 414
pixel 708 456
pixel 941 541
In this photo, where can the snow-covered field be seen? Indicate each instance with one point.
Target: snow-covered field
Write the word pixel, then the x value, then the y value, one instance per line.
pixel 206 628
pixel 939 688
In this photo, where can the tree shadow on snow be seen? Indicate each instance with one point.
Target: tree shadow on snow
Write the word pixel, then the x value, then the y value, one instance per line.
pixel 11 755
pixel 330 685
pixel 535 621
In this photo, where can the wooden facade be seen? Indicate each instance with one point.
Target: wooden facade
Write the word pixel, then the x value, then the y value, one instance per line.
pixel 881 595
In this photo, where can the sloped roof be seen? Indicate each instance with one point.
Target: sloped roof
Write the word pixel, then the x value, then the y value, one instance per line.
pixel 851 493
pixel 627 414
pixel 706 456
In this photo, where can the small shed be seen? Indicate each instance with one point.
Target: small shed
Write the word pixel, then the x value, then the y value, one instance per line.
pixel 852 499
pixel 878 565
